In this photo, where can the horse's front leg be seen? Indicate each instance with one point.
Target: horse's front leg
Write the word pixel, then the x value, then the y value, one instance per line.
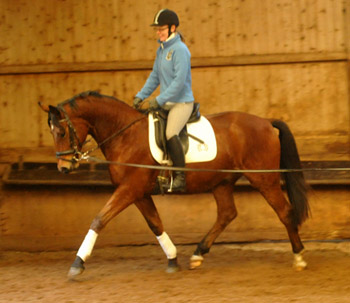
pixel 150 213
pixel 120 199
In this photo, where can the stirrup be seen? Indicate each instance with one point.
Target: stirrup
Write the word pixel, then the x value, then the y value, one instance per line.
pixel 170 188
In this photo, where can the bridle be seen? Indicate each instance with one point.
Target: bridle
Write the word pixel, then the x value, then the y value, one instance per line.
pixel 76 145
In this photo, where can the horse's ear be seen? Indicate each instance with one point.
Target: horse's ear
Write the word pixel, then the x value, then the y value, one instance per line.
pixel 49 109
pixel 45 108
pixel 54 110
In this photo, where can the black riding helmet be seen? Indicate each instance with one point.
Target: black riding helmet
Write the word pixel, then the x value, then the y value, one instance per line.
pixel 166 17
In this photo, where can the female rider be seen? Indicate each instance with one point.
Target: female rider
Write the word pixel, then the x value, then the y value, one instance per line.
pixel 172 71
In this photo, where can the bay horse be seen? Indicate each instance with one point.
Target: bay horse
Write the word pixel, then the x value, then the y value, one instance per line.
pixel 244 142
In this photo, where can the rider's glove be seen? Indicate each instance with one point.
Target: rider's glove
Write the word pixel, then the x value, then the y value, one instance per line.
pixel 137 102
pixel 153 104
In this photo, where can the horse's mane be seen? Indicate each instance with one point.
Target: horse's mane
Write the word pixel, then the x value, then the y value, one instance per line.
pixel 83 95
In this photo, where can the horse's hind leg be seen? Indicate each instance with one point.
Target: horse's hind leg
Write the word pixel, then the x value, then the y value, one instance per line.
pixel 150 213
pixel 226 212
pixel 275 197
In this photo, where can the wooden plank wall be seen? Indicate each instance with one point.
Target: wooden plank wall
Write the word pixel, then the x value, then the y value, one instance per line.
pixel 53 219
pixel 284 59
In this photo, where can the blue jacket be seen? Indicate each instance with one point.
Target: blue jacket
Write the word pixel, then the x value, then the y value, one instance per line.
pixel 172 70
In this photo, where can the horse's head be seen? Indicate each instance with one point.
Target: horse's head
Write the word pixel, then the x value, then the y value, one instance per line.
pixel 69 132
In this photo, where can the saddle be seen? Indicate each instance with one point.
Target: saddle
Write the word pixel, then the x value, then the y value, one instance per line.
pixel 160 119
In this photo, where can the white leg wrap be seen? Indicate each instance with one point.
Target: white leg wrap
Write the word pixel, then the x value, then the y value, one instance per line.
pixel 88 244
pixel 168 246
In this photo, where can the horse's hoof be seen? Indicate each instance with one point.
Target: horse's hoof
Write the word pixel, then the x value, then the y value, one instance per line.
pixel 74 272
pixel 299 264
pixel 173 266
pixel 172 269
pixel 299 268
pixel 196 261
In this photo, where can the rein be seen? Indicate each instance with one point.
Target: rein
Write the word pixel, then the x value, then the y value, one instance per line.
pixel 85 155
pixel 73 138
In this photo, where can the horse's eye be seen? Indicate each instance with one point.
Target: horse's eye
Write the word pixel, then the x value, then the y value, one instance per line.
pixel 62 133
pixel 60 130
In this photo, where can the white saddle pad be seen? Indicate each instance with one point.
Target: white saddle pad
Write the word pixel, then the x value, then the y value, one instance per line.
pixel 197 152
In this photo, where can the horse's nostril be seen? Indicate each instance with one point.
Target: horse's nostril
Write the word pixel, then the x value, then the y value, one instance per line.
pixel 64 170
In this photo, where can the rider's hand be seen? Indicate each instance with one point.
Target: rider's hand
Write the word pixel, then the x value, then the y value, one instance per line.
pixel 153 104
pixel 137 102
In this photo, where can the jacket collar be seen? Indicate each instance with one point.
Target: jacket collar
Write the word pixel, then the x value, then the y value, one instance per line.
pixel 170 41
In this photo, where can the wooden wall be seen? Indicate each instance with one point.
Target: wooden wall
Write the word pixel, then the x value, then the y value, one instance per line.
pixel 117 30
pixel 53 219
pixel 285 59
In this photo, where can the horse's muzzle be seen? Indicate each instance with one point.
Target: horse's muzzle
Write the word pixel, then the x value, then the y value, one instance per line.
pixel 65 166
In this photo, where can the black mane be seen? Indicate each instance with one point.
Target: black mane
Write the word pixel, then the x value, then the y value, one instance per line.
pixel 72 101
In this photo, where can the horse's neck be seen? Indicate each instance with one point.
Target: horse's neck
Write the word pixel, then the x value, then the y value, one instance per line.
pixel 107 116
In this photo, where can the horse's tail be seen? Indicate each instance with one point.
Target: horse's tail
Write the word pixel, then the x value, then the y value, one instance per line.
pixel 295 182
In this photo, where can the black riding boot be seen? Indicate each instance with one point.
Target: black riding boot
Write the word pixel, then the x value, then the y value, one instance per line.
pixel 177 156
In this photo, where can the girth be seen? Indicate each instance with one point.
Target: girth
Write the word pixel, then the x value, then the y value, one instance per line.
pixel 160 119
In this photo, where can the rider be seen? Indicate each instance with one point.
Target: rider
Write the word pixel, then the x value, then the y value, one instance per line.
pixel 172 71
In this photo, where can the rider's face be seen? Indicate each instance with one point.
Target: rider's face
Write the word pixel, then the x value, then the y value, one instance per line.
pixel 163 32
